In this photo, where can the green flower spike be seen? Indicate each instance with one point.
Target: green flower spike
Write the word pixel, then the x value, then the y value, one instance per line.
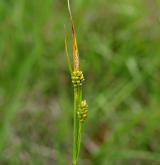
pixel 77 78
pixel 83 110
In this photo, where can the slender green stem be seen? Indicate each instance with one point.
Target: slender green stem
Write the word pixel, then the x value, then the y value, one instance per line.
pixel 79 139
pixel 79 123
pixel 75 125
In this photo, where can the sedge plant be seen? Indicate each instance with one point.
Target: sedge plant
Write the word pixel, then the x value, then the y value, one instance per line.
pixel 80 105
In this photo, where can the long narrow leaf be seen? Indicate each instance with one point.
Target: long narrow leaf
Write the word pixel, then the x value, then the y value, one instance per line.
pixel 75 47
pixel 67 54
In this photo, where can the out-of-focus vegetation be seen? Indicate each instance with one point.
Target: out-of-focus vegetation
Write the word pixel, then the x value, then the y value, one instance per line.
pixel 119 44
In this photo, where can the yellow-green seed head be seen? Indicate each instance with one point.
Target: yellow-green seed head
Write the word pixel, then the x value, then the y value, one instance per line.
pixel 83 110
pixel 77 78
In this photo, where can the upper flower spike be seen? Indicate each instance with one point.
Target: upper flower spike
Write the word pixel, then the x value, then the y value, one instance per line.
pixel 76 66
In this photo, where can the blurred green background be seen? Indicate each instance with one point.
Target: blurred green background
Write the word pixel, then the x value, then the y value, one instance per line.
pixel 119 46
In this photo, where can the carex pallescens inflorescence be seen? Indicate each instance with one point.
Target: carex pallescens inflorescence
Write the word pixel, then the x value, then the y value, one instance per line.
pixel 83 110
pixel 77 78
pixel 80 107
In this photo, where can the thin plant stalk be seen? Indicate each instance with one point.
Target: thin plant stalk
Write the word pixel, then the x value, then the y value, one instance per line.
pixel 79 125
pixel 75 126
pixel 77 97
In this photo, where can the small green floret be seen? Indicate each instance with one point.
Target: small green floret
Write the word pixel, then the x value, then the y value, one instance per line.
pixel 83 110
pixel 77 78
